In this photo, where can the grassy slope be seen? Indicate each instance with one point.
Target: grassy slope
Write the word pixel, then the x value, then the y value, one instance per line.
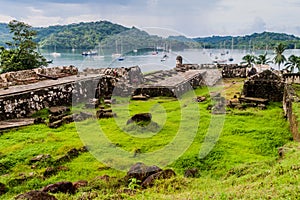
pixel 243 164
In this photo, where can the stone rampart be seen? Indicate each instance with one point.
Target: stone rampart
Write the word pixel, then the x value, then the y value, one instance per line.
pixel 289 98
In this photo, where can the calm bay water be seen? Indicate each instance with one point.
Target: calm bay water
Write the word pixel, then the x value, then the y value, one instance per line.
pixel 149 62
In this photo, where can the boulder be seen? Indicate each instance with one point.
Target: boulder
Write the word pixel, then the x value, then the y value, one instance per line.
pixel 3 189
pixel 63 187
pixel 141 171
pixel 58 110
pixel 165 174
pixel 39 158
pixel 80 184
pixel 191 173
pixel 35 195
pixel 141 117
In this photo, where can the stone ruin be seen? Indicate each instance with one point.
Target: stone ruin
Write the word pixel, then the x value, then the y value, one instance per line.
pixel 25 77
pixel 233 70
pixel 266 85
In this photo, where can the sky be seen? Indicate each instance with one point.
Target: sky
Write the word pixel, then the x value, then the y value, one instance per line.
pixel 191 18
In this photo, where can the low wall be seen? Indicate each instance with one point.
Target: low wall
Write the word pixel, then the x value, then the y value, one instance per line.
pixel 292 78
pixel 25 77
pixel 20 102
pixel 23 104
pixel 288 99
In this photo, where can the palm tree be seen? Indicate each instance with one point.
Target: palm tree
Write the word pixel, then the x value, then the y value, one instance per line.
pixel 293 62
pixel 263 59
pixel 248 59
pixel 279 57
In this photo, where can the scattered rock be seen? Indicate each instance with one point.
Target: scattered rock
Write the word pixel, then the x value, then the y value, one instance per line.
pixel 280 152
pixel 63 187
pixel 35 195
pixel 191 173
pixel 40 158
pixel 141 117
pixel 140 97
pixel 200 99
pixel 165 174
pixel 140 171
pixel 58 110
pixel 39 120
pixel 3 189
pixel 80 184
pixel 105 113
pixel 82 116
pixel 50 171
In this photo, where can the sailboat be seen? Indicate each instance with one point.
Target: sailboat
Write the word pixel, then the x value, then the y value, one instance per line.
pixel 118 56
pixel 55 54
pixel 230 59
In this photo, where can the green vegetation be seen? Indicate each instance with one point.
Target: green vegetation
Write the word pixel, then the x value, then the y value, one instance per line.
pixel 244 163
pixel 293 63
pixel 21 54
pixel 90 35
pixel 279 57
pixel 264 40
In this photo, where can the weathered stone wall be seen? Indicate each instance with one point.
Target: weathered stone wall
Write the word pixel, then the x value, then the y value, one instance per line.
pixel 170 91
pixel 22 104
pixel 265 85
pixel 289 98
pixel 292 78
pixel 233 71
pixel 35 75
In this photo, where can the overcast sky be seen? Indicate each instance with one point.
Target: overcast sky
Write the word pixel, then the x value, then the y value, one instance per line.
pixel 191 18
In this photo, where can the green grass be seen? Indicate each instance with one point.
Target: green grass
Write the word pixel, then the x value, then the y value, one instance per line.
pixel 243 162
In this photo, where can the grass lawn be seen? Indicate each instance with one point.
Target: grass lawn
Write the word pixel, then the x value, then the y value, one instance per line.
pixel 241 162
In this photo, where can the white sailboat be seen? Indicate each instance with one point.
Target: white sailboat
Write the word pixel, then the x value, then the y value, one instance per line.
pixel 118 56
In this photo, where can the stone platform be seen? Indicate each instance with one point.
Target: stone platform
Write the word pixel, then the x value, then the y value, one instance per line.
pixel 175 83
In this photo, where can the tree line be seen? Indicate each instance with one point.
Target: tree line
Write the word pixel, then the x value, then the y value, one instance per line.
pixel 291 64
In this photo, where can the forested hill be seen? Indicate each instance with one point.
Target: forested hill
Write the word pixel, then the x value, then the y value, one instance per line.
pixel 78 36
pixel 256 41
pixel 4 34
pixel 91 35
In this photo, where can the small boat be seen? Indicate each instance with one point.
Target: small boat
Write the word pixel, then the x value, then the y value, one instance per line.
pixel 89 53
pixel 49 61
pixel 164 58
pixel 55 54
pixel 121 58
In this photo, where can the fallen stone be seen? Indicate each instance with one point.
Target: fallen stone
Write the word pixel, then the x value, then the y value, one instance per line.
pixel 58 110
pixel 191 173
pixel 39 158
pixel 139 97
pixel 80 184
pixel 63 187
pixel 3 189
pixel 165 174
pixel 35 195
pixel 141 171
pixel 141 117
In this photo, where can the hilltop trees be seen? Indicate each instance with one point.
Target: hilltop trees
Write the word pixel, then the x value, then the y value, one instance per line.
pixel 22 53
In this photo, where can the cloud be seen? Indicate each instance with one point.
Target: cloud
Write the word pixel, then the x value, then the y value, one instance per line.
pixel 192 18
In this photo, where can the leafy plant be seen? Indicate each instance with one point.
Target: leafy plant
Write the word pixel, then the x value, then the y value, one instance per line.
pixel 134 184
pixel 21 54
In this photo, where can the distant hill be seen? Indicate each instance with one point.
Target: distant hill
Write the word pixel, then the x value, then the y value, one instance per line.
pixel 5 36
pixel 78 36
pixel 91 35
pixel 255 41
